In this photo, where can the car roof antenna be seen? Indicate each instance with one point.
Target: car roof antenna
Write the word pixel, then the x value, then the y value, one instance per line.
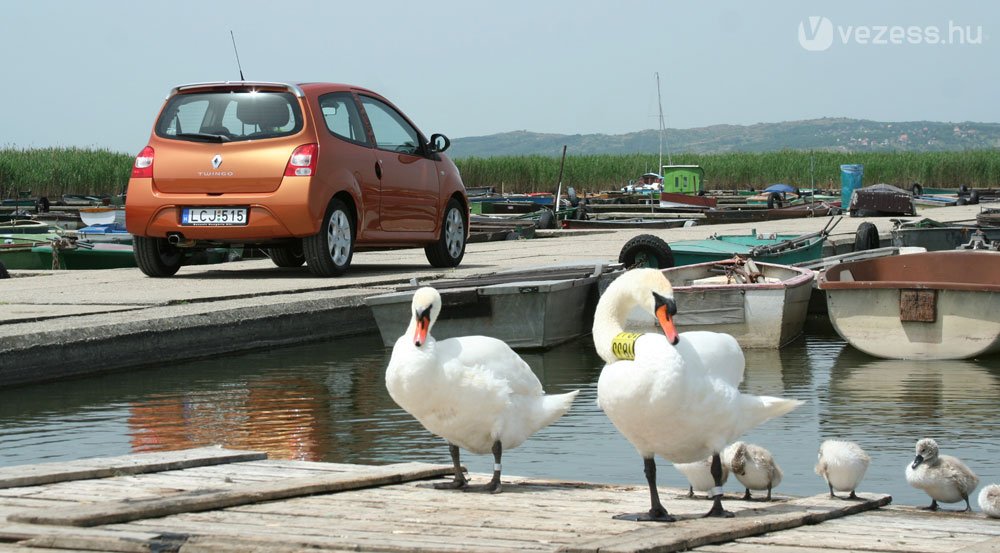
pixel 237 54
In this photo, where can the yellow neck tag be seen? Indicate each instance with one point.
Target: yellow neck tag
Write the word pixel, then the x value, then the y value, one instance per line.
pixel 623 345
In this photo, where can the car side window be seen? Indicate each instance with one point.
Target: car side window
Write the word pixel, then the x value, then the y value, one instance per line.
pixel 342 117
pixel 392 131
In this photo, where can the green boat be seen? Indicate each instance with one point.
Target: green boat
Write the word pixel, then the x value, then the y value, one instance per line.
pixel 647 250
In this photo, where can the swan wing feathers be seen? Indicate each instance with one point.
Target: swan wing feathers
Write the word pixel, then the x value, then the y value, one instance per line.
pixel 715 353
pixel 475 357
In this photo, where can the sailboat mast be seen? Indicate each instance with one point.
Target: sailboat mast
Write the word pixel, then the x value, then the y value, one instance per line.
pixel 663 126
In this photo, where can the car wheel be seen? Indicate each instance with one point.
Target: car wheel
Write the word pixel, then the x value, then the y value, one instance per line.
pixel 646 251
pixel 156 257
pixel 328 252
pixel 449 249
pixel 288 256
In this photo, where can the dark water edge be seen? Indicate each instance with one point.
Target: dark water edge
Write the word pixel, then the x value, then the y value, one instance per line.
pixel 327 402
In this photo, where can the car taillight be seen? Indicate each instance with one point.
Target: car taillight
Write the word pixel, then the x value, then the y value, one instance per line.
pixel 303 161
pixel 143 168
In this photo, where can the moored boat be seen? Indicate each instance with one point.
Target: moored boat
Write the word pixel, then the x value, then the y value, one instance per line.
pixel 683 186
pixel 762 305
pixel 536 308
pixel 936 236
pixel 933 305
pixel 797 211
pixel 631 223
pixel 648 250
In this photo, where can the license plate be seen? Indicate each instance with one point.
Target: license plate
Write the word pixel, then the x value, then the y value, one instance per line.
pixel 214 216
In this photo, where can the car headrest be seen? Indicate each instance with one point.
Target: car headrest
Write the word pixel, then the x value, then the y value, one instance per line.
pixel 265 110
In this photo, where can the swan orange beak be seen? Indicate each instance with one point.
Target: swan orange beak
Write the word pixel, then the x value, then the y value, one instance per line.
pixel 665 309
pixel 423 326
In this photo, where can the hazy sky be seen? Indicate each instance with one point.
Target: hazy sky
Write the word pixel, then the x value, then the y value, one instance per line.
pixel 94 74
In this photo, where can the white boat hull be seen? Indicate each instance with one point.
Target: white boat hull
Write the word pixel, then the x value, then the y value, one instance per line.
pixel 932 305
pixel 967 324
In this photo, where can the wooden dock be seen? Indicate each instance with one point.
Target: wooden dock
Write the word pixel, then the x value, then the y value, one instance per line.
pixel 217 500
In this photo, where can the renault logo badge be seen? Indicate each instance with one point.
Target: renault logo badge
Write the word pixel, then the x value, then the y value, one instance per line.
pixel 216 161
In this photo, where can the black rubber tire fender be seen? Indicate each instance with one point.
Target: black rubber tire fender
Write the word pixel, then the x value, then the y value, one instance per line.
pixel 774 200
pixel 3 271
pixel 646 250
pixel 916 189
pixel 546 220
pixel 866 237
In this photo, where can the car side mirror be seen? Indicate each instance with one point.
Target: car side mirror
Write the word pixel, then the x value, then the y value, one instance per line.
pixel 439 142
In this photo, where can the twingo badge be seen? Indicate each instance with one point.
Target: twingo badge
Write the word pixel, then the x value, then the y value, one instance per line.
pixel 623 345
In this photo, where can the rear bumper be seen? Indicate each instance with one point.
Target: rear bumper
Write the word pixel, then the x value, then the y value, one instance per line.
pixel 291 211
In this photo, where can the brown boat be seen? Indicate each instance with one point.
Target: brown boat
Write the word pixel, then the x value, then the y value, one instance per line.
pixel 933 305
pixel 813 209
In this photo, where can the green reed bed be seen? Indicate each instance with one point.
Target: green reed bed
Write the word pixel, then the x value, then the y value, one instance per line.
pixel 738 170
pixel 55 171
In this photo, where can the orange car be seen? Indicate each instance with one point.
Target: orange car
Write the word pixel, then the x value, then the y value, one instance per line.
pixel 313 172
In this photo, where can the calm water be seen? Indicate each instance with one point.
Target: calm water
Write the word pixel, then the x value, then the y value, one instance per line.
pixel 327 402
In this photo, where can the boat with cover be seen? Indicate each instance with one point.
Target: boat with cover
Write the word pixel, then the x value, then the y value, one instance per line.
pixel 648 250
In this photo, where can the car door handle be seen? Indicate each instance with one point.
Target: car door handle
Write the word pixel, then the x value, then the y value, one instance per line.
pixel 378 169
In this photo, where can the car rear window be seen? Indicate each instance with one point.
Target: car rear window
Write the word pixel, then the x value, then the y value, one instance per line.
pixel 227 116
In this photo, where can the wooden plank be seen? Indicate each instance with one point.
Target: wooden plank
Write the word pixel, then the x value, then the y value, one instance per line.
pixel 986 546
pixel 47 473
pixel 248 544
pixel 341 537
pixel 871 542
pixel 966 523
pixel 740 547
pixel 203 500
pixel 917 306
pixel 49 536
pixel 690 533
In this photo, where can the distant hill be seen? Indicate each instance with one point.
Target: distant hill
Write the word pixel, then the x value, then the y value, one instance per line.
pixel 832 134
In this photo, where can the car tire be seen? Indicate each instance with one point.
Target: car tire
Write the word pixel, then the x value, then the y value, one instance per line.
pixel 646 251
pixel 156 257
pixel 449 249
pixel 287 256
pixel 328 253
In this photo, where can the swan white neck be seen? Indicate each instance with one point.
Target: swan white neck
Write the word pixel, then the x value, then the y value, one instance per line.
pixel 608 317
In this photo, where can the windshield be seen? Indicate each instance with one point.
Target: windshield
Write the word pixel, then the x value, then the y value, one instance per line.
pixel 227 116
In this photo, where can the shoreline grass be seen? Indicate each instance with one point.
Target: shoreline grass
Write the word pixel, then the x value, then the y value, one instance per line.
pixel 53 172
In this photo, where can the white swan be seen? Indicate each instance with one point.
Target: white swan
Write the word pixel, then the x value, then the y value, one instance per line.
pixel 842 464
pixel 699 475
pixel 989 500
pixel 943 477
pixel 679 397
pixel 473 391
pixel 753 466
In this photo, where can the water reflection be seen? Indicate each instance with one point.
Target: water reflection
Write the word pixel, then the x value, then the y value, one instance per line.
pixel 906 394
